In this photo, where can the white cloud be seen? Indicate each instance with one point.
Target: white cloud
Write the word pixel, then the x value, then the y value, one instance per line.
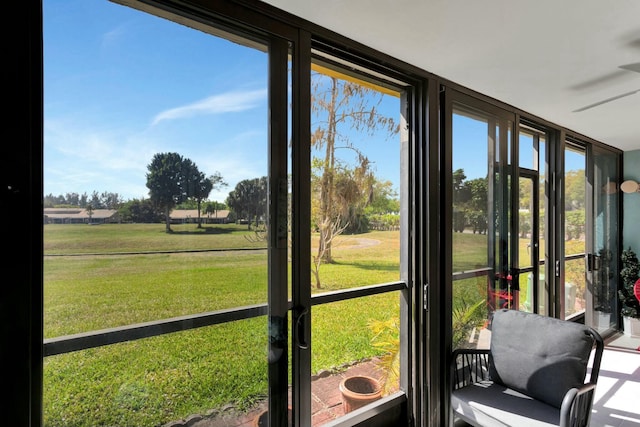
pixel 82 155
pixel 113 37
pixel 224 103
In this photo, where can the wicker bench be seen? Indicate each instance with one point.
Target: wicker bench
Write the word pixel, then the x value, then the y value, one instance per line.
pixel 533 374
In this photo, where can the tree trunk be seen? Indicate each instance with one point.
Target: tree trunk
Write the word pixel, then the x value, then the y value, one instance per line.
pixel 167 218
pixel 327 182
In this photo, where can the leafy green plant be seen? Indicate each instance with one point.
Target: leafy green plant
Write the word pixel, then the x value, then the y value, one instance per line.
pixel 386 337
pixel 630 306
pixel 604 295
pixel 466 317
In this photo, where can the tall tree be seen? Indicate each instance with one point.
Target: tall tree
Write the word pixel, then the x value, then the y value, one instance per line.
pixel 197 185
pixel 96 201
pixel 140 211
pixel 167 182
pixel 111 200
pixel 340 107
pixel 384 199
pixel 477 205
pixel 249 200
pixel 574 189
pixel 212 208
pixel 200 186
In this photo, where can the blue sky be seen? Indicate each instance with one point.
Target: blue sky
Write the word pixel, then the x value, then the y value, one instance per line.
pixel 121 85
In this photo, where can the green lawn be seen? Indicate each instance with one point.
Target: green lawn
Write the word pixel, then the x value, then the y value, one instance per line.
pixel 151 381
pixel 110 275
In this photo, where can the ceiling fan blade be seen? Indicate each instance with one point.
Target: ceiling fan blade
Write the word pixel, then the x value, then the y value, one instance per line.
pixel 631 67
pixel 604 101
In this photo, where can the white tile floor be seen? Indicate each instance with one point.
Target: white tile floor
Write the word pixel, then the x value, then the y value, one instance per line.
pixel 617 400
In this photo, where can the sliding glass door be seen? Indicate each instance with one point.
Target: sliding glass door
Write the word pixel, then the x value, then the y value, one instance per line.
pixel 603 244
pixel 505 225
pixel 357 313
pixel 166 238
pixel 591 212
pixel 203 256
pixel 482 219
pixel 531 249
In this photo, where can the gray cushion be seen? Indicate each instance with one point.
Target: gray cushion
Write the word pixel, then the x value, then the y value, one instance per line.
pixel 539 356
pixel 493 405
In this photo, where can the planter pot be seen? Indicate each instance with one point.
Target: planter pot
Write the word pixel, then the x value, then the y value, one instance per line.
pixel 631 326
pixel 602 320
pixel 359 391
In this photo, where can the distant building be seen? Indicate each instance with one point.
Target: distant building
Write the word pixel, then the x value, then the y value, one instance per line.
pixel 80 216
pixel 190 216
pixel 110 216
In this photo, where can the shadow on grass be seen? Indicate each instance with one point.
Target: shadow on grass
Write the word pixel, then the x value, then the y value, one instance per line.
pixel 369 265
pixel 204 231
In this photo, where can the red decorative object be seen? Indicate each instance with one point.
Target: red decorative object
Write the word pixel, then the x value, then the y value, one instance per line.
pixel 636 289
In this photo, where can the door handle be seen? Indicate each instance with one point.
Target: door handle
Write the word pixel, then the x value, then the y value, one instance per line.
pixel 300 330
pixel 594 262
pixel 597 262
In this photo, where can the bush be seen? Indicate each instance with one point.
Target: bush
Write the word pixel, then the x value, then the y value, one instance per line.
pixel 630 306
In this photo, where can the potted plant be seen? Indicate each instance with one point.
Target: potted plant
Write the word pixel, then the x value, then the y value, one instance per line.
pixel 359 390
pixel 629 301
pixel 604 296
pixel 386 337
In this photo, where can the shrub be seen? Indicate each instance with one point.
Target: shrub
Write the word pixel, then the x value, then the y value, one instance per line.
pixel 630 306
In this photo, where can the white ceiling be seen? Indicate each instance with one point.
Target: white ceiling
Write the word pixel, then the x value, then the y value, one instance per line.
pixel 547 57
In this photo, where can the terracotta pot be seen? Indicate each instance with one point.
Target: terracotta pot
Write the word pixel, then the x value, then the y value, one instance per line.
pixel 359 391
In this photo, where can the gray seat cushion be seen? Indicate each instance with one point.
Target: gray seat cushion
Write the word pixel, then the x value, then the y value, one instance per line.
pixel 489 404
pixel 539 356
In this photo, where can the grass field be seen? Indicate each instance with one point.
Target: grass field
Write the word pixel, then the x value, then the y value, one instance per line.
pixel 110 275
pixel 106 276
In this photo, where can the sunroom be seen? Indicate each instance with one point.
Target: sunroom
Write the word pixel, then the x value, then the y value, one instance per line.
pixel 388 182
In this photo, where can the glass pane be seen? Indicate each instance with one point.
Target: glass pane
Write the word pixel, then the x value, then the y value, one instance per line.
pixel 358 133
pixel 532 157
pixel 574 289
pixel 605 234
pixel 470 192
pixel 502 294
pixel 155 165
pixel 356 358
pixel 470 314
pixel 526 151
pixel 527 242
pixel 355 182
pixel 473 134
pixel 542 198
pixel 531 221
pixel 575 227
pixel 526 221
pixel 208 373
pixel 140 105
pixel 543 292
